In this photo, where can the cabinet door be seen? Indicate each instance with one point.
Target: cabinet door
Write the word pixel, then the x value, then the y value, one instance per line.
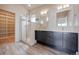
pixel 70 42
pixel 38 35
pixel 50 38
pixel 57 40
pixel 42 37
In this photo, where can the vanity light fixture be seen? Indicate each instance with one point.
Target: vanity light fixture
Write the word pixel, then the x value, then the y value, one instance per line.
pixel 59 7
pixel 62 6
pixel 29 5
pixel 44 12
pixel 65 6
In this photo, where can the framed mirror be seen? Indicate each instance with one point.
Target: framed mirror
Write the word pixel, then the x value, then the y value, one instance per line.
pixel 62 18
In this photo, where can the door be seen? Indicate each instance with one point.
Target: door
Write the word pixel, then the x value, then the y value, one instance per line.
pixel 7 27
pixel 2 29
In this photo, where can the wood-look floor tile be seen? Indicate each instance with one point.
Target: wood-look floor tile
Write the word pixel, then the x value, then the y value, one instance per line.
pixel 23 49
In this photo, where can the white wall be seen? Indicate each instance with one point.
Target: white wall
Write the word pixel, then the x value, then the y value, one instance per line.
pixel 52 19
pixel 18 10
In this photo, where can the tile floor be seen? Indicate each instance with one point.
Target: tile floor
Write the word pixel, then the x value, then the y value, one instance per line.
pixel 20 48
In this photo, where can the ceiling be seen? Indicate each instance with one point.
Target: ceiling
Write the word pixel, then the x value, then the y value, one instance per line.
pixel 32 6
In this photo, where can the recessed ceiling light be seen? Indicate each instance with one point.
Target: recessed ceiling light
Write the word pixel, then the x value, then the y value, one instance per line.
pixel 29 5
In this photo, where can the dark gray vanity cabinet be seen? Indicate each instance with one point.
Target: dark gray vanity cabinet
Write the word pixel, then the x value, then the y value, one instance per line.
pixel 56 39
pixel 41 36
pixel 64 41
pixel 70 42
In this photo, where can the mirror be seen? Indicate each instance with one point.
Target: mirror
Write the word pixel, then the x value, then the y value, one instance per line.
pixel 62 18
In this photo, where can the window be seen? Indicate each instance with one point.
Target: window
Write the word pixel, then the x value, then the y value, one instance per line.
pixel 43 12
pixel 33 18
pixel 62 21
